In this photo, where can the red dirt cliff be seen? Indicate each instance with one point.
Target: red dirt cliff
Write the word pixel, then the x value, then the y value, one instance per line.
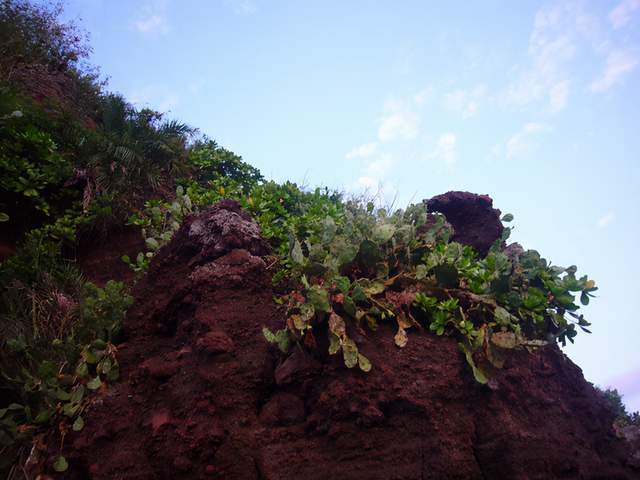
pixel 204 396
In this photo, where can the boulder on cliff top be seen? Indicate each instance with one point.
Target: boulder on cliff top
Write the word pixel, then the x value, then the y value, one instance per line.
pixel 474 220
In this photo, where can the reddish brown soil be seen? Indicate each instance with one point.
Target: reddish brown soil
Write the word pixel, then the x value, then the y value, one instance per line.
pixel 100 257
pixel 204 396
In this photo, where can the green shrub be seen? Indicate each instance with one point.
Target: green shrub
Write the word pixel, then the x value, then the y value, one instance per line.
pixel 30 166
pixel 623 416
pixel 135 151
pixel 158 222
pixel 57 348
pixel 213 162
pixel 33 34
pixel 371 267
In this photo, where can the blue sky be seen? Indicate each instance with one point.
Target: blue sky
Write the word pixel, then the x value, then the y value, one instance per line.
pixel 533 103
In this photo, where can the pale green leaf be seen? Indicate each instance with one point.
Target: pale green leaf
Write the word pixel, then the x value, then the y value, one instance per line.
pixel 349 352
pixel 78 424
pixel 60 465
pixel 364 363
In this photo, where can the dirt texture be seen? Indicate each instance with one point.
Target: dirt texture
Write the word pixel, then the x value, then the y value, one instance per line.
pixel 203 396
pixel 474 220
pixel 99 257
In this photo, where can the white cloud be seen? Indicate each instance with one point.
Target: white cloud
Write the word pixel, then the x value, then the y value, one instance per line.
pixel 559 32
pixel 605 220
pixel 155 97
pixel 153 18
pixel 563 33
pixel 446 149
pixel 399 121
pixel 622 13
pixel 195 86
pixel 374 172
pixel 463 102
pixel 423 96
pixel 520 143
pixel 619 63
pixel 243 7
pixel 558 95
pixel 363 151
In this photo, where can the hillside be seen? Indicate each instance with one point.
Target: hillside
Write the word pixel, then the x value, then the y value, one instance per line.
pixel 167 312
pixel 207 398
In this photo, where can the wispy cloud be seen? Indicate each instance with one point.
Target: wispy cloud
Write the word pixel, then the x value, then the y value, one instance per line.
pixel 619 63
pixel 605 220
pixel 399 121
pixel 423 96
pixel 243 7
pixel 153 18
pixel 623 12
pixel 446 149
pixel 559 32
pixel 196 85
pixel 156 97
pixel 464 102
pixel 558 95
pixel 374 173
pixel 362 151
pixel 521 142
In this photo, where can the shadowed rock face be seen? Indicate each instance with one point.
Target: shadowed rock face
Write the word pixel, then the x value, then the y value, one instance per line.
pixel 204 396
pixel 474 220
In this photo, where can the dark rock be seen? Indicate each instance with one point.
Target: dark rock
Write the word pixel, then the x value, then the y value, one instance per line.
pixel 222 228
pixel 282 409
pixel 474 220
pixel 215 342
pixel 160 367
pixel 514 251
pixel 295 368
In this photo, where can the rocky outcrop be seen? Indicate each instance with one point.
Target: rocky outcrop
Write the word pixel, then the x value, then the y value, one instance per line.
pixel 474 220
pixel 204 396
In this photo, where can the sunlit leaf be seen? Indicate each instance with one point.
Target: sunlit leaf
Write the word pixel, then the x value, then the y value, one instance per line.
pixel 334 343
pixel 78 424
pixel 401 338
pixel 364 363
pixel 337 325
pixel 504 339
pixel 477 373
pixel 60 465
pixel 296 253
pixel 383 233
pixel 319 298
pixel 349 353
pixel 94 383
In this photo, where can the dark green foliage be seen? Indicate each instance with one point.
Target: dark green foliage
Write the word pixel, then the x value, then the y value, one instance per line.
pixel 284 211
pixel 56 332
pixel 134 151
pixel 32 171
pixel 29 162
pixel 623 416
pixel 214 163
pixel 159 221
pixel 364 267
pixel 32 34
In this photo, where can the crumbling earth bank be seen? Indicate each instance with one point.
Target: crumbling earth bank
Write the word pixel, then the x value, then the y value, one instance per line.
pixel 204 396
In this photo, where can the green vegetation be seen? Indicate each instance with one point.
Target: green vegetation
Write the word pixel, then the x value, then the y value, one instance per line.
pixel 624 418
pixel 57 332
pixel 81 160
pixel 74 161
pixel 370 267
